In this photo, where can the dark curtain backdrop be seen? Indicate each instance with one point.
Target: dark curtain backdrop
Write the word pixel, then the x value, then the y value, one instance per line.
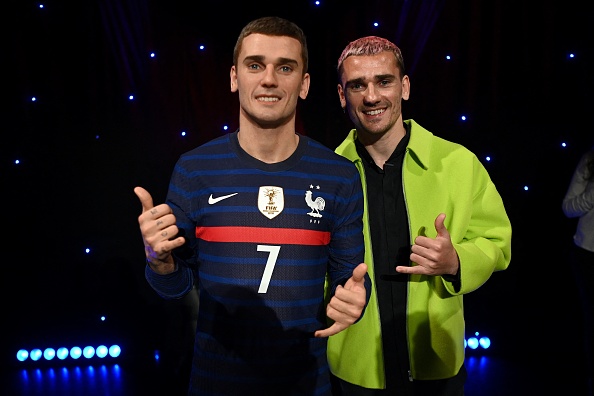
pixel 84 146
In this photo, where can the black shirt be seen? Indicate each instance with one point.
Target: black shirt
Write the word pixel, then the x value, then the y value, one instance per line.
pixel 388 222
pixel 390 242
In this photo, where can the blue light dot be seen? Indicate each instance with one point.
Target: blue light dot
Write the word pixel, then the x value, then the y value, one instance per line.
pixel 375 24
pixel 49 353
pixel 89 352
pixel 62 353
pixel 101 351
pixel 87 250
pixel 463 118
pixel 201 47
pixel 152 55
pixel 114 351
pixel 35 354
pixel 17 162
pixel 183 133
pixel 563 144
pixel 131 97
pixel 75 352
pixel 22 355
pixel 485 342
pixel 448 57
pixel 488 158
pixel 525 188
pixel 33 99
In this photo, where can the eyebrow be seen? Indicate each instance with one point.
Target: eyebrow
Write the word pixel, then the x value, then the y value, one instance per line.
pixel 379 77
pixel 279 61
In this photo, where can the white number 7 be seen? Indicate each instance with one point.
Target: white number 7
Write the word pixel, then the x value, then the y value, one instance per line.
pixel 270 263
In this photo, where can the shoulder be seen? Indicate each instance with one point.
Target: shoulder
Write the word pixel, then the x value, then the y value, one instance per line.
pixel 217 144
pixel 317 149
pixel 430 148
pixel 318 159
pixel 588 156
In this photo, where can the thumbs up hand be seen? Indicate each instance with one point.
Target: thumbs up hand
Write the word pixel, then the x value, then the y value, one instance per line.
pixel 158 228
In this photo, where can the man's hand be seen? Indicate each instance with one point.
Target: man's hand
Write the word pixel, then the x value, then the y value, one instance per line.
pixel 346 305
pixel 433 256
pixel 157 226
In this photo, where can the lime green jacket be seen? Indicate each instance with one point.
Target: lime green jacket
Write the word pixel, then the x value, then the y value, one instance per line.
pixel 438 176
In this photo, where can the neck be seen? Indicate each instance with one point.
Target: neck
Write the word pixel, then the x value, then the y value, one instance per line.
pixel 268 145
pixel 381 146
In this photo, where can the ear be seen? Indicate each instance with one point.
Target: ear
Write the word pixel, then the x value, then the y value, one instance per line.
pixel 304 86
pixel 233 77
pixel 405 87
pixel 341 97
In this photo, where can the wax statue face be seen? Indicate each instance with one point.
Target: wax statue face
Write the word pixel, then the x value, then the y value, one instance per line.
pixel 371 91
pixel 269 78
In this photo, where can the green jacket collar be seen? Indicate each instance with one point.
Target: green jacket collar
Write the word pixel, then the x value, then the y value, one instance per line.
pixel 419 147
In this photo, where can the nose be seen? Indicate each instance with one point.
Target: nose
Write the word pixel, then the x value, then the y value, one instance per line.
pixel 269 76
pixel 371 94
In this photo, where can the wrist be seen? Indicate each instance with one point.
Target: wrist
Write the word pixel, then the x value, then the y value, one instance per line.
pixel 162 267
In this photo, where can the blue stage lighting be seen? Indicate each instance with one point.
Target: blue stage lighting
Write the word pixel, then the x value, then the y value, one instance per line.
pixel 22 355
pixel 62 353
pixel 49 353
pixel 485 342
pixel 89 352
pixel 114 351
pixel 473 342
pixel 101 351
pixel 75 352
pixel 35 354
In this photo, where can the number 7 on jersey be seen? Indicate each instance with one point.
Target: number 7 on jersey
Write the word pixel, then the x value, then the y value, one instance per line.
pixel 270 263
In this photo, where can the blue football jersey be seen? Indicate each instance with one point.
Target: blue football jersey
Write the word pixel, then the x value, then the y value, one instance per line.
pixel 260 241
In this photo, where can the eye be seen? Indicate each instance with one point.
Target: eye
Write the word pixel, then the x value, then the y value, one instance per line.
pixel 355 87
pixel 286 69
pixel 254 66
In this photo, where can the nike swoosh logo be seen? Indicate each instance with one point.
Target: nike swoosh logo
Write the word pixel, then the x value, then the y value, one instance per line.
pixel 212 200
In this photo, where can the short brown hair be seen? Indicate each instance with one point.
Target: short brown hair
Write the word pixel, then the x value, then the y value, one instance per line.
pixel 273 26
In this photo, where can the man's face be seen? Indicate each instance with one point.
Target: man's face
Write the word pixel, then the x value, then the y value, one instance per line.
pixel 269 79
pixel 371 91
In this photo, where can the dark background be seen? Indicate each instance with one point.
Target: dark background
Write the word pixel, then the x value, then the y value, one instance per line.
pixel 83 145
